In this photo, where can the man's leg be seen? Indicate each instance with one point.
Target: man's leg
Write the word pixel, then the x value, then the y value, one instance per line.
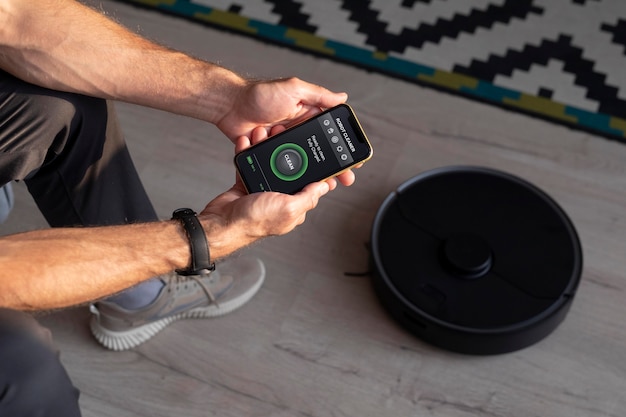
pixel 71 153
pixel 33 382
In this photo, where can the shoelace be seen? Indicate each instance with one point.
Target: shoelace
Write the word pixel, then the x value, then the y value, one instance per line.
pixel 198 280
pixel 206 289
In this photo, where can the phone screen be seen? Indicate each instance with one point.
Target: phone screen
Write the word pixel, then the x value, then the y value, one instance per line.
pixel 314 150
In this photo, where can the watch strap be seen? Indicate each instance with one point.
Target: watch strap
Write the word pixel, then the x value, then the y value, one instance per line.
pixel 200 255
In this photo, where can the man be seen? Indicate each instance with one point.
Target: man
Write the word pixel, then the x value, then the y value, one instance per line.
pixel 60 65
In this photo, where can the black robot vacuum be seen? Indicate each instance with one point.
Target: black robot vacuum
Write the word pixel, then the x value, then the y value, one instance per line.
pixel 474 260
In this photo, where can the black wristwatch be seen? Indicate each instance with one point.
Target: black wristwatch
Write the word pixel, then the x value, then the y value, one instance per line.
pixel 200 256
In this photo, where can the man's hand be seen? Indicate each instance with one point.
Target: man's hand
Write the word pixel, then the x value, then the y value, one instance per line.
pixel 277 102
pixel 250 217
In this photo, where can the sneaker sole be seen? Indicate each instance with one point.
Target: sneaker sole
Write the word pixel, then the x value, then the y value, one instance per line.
pixel 125 340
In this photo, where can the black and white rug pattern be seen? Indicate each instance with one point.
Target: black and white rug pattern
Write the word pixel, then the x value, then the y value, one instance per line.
pixel 563 60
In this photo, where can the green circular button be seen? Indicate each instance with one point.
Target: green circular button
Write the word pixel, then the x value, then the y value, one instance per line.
pixel 289 162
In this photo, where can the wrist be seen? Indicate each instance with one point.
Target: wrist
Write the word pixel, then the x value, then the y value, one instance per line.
pixel 225 237
pixel 221 94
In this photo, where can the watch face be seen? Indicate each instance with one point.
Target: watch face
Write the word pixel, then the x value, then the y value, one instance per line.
pixel 183 212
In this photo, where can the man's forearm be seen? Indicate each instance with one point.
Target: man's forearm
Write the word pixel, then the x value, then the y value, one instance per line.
pixel 64 45
pixel 62 267
pixel 55 268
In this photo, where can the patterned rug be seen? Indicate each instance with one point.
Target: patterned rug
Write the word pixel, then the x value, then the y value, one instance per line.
pixel 561 60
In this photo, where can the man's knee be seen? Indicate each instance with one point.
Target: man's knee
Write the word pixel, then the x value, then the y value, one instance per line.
pixel 54 122
pixel 40 123
pixel 33 381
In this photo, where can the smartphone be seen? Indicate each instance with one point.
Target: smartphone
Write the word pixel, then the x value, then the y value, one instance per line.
pixel 314 150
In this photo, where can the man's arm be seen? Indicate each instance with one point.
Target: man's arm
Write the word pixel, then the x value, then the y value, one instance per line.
pixel 61 267
pixel 67 46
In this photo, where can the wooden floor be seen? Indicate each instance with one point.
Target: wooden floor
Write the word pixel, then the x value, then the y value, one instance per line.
pixel 314 341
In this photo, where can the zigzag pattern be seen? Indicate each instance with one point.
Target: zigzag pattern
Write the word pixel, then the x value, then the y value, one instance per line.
pixel 562 60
